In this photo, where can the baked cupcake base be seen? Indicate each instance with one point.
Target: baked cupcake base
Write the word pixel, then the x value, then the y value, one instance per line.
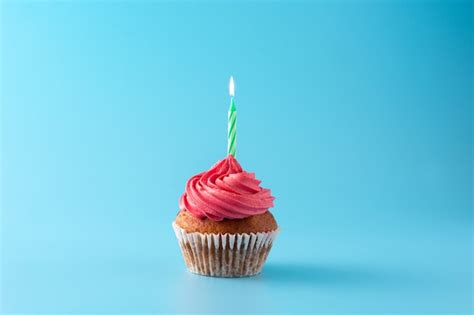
pixel 224 254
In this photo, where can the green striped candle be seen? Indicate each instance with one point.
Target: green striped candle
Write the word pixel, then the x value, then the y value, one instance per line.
pixel 232 121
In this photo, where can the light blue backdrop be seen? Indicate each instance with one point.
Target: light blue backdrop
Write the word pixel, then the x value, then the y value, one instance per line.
pixel 358 115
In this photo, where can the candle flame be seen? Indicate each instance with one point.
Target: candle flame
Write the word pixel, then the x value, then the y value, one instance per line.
pixel 231 86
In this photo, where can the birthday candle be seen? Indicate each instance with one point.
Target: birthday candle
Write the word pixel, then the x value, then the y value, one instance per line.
pixel 232 121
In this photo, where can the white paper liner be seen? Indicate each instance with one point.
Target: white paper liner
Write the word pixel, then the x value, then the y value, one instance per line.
pixel 225 255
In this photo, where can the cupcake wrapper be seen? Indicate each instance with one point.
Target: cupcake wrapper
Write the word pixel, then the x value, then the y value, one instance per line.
pixel 225 255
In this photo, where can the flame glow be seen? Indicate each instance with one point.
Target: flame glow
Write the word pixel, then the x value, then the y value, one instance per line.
pixel 231 86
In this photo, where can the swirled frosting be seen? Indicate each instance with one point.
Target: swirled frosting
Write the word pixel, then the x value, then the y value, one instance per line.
pixel 225 191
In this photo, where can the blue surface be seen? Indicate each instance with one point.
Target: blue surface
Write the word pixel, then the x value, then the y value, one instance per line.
pixel 358 115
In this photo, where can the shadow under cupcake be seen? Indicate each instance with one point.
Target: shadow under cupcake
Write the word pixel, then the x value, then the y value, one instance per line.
pixel 224 227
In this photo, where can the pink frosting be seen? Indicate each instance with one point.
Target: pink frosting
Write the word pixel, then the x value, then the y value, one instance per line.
pixel 225 192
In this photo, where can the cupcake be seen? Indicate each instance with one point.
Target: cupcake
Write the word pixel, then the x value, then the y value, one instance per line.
pixel 224 227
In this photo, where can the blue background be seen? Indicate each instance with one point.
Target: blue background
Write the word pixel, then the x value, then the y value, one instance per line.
pixel 358 116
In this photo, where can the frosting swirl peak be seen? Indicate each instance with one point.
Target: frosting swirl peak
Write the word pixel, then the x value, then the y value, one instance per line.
pixel 225 191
